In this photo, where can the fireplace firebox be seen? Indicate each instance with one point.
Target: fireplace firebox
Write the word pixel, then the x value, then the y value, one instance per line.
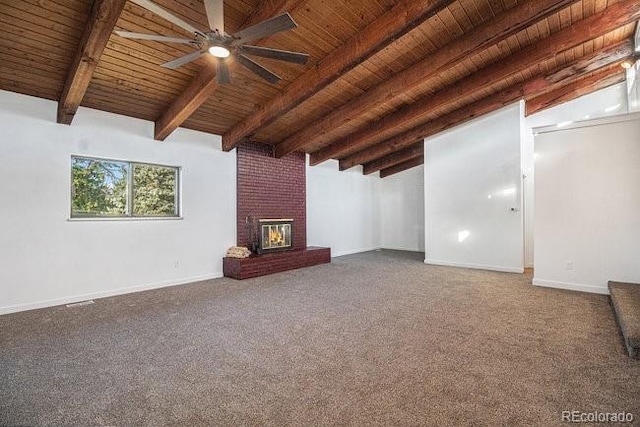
pixel 274 235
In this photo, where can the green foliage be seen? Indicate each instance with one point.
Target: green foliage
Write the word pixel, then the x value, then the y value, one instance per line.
pixel 153 190
pixel 100 188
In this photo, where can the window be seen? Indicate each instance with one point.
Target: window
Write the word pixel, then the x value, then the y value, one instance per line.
pixel 103 188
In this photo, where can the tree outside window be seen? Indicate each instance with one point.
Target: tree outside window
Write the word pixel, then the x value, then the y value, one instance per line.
pixel 111 188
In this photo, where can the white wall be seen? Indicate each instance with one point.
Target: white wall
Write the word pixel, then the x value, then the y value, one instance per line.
pixel 606 102
pixel 633 87
pixel 343 209
pixel 587 198
pixel 472 181
pixel 602 103
pixel 402 210
pixel 45 259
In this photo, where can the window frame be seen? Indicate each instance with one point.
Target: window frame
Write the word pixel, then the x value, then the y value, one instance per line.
pixel 129 216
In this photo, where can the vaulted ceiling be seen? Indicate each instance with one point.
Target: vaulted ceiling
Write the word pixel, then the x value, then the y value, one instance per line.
pixel 382 74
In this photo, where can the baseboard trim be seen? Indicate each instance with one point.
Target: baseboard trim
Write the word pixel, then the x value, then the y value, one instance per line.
pixel 475 266
pixel 103 294
pixel 571 286
pixel 353 251
pixel 398 248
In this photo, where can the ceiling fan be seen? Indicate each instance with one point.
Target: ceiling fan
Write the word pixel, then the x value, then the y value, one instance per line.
pixel 222 45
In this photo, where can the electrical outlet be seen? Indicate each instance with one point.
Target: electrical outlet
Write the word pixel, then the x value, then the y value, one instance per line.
pixel 569 265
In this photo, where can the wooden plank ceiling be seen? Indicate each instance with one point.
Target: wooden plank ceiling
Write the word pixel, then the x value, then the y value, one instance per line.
pixel 382 74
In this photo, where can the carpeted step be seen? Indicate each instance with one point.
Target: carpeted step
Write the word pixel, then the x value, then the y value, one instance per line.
pixel 626 304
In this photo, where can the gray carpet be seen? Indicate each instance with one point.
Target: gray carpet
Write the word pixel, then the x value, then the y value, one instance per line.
pixel 374 338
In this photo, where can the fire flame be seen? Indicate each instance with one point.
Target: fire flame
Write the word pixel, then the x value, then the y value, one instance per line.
pixel 275 237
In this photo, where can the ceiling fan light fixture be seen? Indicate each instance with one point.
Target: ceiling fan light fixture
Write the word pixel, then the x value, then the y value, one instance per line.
pixel 219 51
pixel 221 45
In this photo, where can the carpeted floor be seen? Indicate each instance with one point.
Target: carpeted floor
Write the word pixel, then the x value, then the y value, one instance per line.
pixel 373 338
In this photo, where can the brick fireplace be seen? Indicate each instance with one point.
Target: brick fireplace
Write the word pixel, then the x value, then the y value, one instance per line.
pixel 270 191
pixel 270 188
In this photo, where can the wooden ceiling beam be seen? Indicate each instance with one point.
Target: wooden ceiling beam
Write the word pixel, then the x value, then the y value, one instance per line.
pixel 612 18
pixel 393 159
pixel 487 34
pixel 409 164
pixel 567 94
pixel 606 56
pixel 204 84
pixel 199 90
pixel 468 112
pixel 102 18
pixel 400 19
pixel 596 81
pixel 527 90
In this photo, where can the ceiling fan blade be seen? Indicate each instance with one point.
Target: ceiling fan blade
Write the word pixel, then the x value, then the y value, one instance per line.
pixel 151 6
pixel 215 14
pixel 282 55
pixel 183 60
pixel 222 72
pixel 258 69
pixel 141 36
pixel 266 28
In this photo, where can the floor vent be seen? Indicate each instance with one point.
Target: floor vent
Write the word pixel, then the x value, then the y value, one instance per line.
pixel 81 303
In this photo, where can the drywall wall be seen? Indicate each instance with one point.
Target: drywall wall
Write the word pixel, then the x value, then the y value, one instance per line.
pixel 473 193
pixel 633 86
pixel 587 198
pixel 343 209
pixel 402 210
pixel 606 102
pixel 46 259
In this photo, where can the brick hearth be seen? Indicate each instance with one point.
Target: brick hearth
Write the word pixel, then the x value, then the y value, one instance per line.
pixel 261 265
